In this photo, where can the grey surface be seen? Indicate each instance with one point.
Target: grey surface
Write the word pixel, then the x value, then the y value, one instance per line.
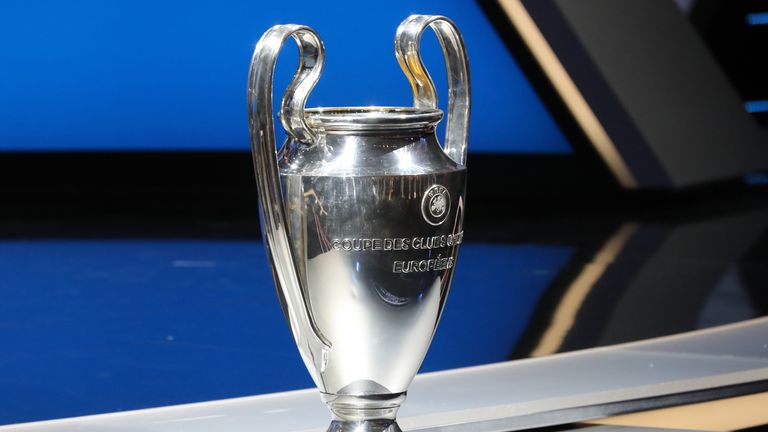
pixel 669 109
pixel 507 396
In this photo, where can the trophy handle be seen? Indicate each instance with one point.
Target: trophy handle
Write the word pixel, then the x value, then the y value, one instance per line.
pixel 262 131
pixel 407 40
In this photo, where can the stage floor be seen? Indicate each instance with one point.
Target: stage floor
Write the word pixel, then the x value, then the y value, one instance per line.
pixel 118 314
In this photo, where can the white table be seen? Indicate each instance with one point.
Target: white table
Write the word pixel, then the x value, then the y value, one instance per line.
pixel 707 364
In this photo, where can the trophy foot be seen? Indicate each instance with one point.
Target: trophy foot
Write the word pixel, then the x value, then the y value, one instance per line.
pixel 364 413
pixel 378 425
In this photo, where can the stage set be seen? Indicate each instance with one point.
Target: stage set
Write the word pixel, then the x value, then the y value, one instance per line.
pixel 500 215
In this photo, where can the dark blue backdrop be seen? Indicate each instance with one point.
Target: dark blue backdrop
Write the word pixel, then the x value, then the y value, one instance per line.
pixel 109 75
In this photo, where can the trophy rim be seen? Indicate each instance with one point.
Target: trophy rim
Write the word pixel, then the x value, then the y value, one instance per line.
pixel 372 118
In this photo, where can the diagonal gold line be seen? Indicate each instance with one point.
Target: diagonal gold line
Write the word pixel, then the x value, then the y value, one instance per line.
pixel 568 90
pixel 565 314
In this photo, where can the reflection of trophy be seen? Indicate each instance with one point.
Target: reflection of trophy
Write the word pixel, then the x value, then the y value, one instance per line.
pixel 362 214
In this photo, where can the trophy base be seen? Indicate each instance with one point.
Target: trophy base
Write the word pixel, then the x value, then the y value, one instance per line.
pixel 379 425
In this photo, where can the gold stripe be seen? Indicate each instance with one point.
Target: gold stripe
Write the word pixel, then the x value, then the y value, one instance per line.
pixel 565 314
pixel 721 415
pixel 568 90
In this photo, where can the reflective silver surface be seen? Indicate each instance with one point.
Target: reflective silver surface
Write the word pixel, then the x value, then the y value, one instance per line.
pixel 362 211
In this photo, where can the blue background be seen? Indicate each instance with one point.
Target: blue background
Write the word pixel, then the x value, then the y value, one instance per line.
pixel 98 326
pixel 93 326
pixel 171 75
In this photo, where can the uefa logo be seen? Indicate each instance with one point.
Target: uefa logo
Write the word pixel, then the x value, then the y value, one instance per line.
pixel 435 204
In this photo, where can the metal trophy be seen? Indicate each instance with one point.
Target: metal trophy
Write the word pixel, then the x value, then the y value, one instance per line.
pixel 362 213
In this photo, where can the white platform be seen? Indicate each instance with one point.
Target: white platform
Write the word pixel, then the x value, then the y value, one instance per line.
pixel 500 397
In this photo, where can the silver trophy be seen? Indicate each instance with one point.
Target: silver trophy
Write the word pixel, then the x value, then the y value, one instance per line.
pixel 362 212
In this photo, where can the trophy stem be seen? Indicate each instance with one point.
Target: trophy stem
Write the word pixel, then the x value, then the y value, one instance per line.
pixel 380 425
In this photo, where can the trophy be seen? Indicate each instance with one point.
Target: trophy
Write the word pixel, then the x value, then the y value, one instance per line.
pixel 362 213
